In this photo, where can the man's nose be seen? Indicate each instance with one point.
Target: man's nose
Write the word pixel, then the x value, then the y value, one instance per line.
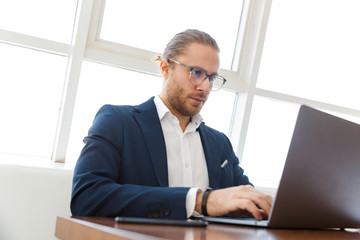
pixel 204 86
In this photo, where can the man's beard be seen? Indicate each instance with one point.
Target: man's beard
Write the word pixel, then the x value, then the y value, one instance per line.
pixel 179 103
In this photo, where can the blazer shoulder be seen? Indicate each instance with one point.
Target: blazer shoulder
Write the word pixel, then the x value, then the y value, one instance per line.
pixel 148 105
pixel 113 109
pixel 125 110
pixel 115 116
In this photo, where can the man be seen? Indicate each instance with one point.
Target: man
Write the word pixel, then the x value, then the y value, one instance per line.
pixel 156 159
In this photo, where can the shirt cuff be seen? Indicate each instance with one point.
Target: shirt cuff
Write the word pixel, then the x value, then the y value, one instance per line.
pixel 190 202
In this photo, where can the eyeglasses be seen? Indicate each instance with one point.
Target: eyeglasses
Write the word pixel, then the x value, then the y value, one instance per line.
pixel 198 76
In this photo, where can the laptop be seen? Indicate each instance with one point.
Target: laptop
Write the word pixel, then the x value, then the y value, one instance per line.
pixel 320 183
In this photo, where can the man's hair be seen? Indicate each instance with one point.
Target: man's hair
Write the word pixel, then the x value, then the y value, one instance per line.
pixel 182 40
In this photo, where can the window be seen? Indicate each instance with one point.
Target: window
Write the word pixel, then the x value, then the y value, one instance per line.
pixel 276 55
pixel 51 20
pixel 268 139
pixel 34 47
pixel 59 84
pixel 314 57
pixel 30 94
pixel 310 55
pixel 151 24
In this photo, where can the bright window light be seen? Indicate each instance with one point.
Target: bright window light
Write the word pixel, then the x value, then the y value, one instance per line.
pixel 269 135
pixel 150 25
pixel 267 142
pixel 52 20
pixel 217 111
pixel 30 94
pixel 312 51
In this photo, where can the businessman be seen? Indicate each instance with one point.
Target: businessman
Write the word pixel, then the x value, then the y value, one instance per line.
pixel 158 159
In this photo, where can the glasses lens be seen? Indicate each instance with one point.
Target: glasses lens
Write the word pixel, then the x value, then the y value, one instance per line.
pixel 197 76
pixel 217 83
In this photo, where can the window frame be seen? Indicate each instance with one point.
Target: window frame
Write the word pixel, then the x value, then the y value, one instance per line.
pixel 110 53
pixel 86 45
pixel 249 64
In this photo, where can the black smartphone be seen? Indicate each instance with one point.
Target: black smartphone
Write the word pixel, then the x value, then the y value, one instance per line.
pixel 162 221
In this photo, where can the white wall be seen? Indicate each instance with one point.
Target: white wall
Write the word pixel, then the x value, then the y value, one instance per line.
pixel 31 199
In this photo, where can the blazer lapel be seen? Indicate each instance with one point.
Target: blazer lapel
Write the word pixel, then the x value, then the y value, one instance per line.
pixel 213 160
pixel 149 123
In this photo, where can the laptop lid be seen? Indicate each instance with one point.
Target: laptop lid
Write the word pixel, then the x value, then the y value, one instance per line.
pixel 320 183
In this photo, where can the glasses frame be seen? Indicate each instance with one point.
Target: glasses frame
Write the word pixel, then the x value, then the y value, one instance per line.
pixel 211 77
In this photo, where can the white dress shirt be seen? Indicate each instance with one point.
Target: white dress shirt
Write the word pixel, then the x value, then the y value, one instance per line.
pixel 185 155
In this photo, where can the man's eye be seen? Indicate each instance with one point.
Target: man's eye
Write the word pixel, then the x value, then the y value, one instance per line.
pixel 198 73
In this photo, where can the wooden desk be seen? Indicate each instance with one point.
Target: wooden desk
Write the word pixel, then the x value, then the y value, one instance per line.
pixel 94 228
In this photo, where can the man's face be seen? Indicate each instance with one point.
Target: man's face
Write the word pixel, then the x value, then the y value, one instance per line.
pixel 184 98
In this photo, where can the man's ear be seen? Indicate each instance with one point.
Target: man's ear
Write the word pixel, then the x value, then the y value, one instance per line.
pixel 164 68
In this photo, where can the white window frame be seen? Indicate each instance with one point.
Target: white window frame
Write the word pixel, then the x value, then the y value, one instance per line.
pixel 87 45
pixel 110 53
pixel 249 63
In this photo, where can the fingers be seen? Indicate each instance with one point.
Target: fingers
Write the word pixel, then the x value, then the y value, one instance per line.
pixel 239 199
pixel 256 199
pixel 252 209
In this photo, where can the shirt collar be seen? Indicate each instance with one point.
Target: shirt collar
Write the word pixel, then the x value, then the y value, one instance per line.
pixel 162 109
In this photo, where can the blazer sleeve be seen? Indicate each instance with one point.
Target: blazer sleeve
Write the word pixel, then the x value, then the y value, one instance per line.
pixel 99 185
pixel 239 178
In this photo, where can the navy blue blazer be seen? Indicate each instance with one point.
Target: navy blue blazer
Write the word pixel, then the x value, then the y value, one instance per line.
pixel 122 169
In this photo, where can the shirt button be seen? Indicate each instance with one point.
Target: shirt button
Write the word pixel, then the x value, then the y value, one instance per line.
pixel 186 165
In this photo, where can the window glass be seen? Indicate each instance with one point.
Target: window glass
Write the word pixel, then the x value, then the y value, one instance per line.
pixel 151 24
pixel 102 84
pixel 31 84
pixel 269 134
pixel 267 142
pixel 217 111
pixel 312 51
pixel 51 20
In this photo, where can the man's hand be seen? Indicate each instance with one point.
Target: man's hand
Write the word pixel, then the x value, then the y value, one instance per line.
pixel 238 201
